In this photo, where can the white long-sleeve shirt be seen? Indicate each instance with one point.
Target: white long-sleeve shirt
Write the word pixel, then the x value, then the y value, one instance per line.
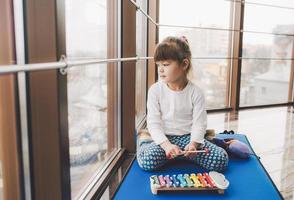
pixel 172 112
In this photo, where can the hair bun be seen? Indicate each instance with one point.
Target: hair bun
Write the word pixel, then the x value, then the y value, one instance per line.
pixel 184 39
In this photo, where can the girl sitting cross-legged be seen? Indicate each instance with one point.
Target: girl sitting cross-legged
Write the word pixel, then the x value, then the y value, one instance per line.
pixel 176 115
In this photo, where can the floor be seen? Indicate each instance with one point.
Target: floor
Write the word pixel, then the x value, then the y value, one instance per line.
pixel 271 134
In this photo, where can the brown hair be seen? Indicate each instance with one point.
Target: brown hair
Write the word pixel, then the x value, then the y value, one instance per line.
pixel 173 48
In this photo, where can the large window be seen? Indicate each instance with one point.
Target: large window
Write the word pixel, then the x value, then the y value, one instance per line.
pixel 141 69
pixel 91 93
pixel 266 72
pixel 209 74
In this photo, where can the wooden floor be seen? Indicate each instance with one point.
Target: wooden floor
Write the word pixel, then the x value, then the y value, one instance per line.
pixel 271 133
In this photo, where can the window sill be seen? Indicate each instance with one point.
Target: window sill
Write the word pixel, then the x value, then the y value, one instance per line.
pixel 103 180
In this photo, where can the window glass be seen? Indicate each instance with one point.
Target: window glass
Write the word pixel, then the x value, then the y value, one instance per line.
pixel 210 74
pixel 266 81
pixel 141 68
pixel 90 91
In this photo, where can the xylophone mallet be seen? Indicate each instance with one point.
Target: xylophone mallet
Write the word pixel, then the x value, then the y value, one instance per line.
pixel 206 150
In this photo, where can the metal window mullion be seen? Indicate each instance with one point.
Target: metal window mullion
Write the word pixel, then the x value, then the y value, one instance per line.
pixel 144 12
pixel 237 52
pixel 63 64
pixel 30 67
pixel 22 95
pixel 4 69
pixel 96 61
pixel 22 92
pixel 119 74
pixel 291 81
pixel 230 62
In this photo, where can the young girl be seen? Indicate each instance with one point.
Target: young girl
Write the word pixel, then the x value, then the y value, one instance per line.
pixel 176 115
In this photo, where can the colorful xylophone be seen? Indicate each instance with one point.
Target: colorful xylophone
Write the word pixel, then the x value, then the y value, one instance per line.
pixel 200 181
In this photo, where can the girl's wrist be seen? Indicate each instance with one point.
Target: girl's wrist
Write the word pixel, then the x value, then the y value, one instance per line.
pixel 165 144
pixel 197 145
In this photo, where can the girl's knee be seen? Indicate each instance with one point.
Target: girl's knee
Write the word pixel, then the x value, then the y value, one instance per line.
pixel 223 160
pixel 218 161
pixel 150 160
pixel 147 167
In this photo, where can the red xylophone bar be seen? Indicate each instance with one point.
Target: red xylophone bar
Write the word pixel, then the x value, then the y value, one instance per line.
pixel 209 180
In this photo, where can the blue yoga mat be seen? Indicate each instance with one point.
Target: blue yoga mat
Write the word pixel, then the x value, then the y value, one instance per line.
pixel 248 180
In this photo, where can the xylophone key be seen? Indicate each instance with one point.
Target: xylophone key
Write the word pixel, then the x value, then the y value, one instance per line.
pixel 201 179
pixel 168 181
pixel 209 180
pixel 154 180
pixel 182 180
pixel 161 180
pixel 194 178
pixel 172 181
pixel 188 180
pixel 176 183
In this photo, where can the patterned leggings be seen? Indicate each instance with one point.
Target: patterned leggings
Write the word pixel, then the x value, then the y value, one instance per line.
pixel 151 156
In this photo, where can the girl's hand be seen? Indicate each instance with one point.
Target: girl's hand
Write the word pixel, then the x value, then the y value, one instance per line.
pixel 192 146
pixel 171 150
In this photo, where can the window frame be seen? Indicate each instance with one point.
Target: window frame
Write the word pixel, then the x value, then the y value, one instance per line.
pixel 153 10
pixel 46 103
pixel 141 118
pixel 128 75
pixel 11 160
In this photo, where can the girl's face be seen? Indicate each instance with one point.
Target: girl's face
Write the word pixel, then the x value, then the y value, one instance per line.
pixel 171 71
